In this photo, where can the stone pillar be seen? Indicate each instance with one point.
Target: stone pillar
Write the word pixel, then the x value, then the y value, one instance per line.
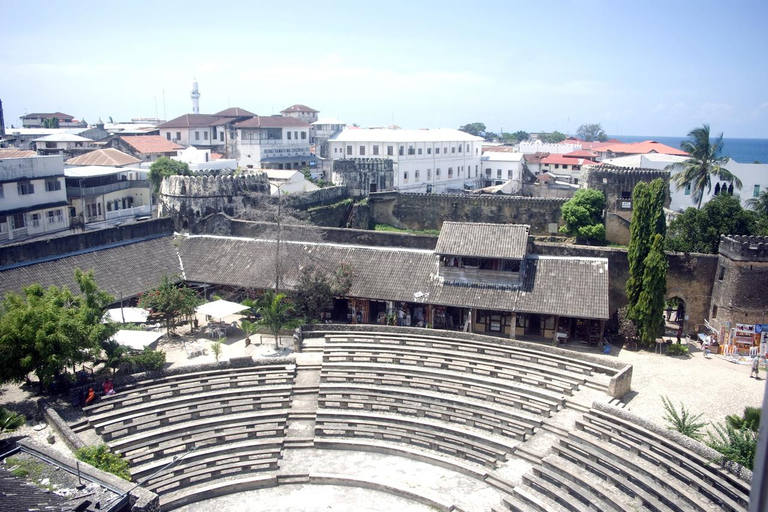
pixel 513 326
pixel 557 321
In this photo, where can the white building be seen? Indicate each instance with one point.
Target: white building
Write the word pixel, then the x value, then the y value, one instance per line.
pixel 202 160
pixel 273 142
pixel 288 182
pixel 500 167
pixel 320 133
pixel 754 178
pixel 68 144
pixel 193 130
pixel 536 146
pixel 301 112
pixel 438 160
pixel 33 198
pixel 100 193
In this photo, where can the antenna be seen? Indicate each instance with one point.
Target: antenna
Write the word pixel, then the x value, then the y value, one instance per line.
pixel 155 106
pixel 165 116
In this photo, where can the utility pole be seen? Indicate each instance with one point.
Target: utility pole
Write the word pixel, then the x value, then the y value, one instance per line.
pixel 277 245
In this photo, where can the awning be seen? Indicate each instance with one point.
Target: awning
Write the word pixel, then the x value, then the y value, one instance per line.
pixel 220 308
pixel 131 315
pixel 137 340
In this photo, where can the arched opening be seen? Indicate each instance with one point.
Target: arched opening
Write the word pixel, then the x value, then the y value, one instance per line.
pixel 675 316
pixel 717 189
pixel 184 225
pixel 183 189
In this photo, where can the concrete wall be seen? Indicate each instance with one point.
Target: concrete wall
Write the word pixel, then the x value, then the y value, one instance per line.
pixel 40 249
pixel 428 211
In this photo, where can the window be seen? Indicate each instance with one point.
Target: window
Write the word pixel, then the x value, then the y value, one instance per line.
pixel 25 188
pixel 498 174
pixel 52 185
pixel 445 151
pixel 197 135
pixel 477 150
pixel 459 148
pixel 429 151
pixel 289 135
pixel 390 150
pixel 557 166
pixel 168 135
pixel 221 136
pixel 416 175
pixel 756 191
pixel 362 150
pixel 437 151
pixel 714 311
pixel 19 221
pixel 51 217
pixel 467 148
pixel 401 151
pixel 405 176
pixel 296 135
pixel 688 190
pixel 420 150
pixel 36 220
pixel 722 272
pixel 178 135
pixel 488 173
pixel 375 149
pixel 509 174
pixel 349 150
pixel 476 171
pixel 450 172
pixel 2 194
pixel 453 149
pixel 205 135
pixel 411 151
pixel 429 173
pixel 303 135
pixel 437 173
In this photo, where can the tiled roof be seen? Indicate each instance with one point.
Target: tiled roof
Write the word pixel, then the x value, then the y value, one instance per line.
pixel 582 153
pixel 63 137
pixel 151 143
pixel 234 112
pixel 57 115
pixel 17 153
pixel 190 121
pixel 128 269
pixel 564 160
pixel 298 108
pixel 107 157
pixel 483 240
pixel 498 149
pixel 648 146
pixel 271 122
pixel 17 495
pixel 536 158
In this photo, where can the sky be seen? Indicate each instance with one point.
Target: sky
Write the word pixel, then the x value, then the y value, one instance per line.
pixel 637 68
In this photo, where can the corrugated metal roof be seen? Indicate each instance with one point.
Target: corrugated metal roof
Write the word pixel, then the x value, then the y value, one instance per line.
pixel 483 240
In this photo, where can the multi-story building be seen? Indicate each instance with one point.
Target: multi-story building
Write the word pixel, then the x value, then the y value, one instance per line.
pixel 273 142
pixel 68 144
pixel 499 167
pixel 320 133
pixel 301 112
pixel 38 120
pixel 33 198
pixel 193 130
pixel 146 148
pixel 565 167
pixel 434 160
pixel 102 193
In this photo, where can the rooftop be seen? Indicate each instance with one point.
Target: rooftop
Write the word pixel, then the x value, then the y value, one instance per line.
pixel 107 157
pixel 271 122
pixel 151 144
pixel 190 121
pixel 502 156
pixel 234 112
pixel 536 158
pixel 386 135
pixel 299 108
pixel 557 159
pixel 63 137
pixel 328 120
pixel 17 153
pixel 91 171
pixel 647 146
pixel 47 115
pixel 483 240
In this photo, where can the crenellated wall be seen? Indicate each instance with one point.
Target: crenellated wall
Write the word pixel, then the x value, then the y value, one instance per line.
pixel 428 211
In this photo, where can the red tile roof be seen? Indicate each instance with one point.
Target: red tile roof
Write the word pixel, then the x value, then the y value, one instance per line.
pixel 234 112
pixel 272 122
pixel 151 144
pixel 105 157
pixel 536 158
pixel 582 153
pixel 190 121
pixel 216 156
pixel 642 148
pixel 17 153
pixel 564 160
pixel 299 108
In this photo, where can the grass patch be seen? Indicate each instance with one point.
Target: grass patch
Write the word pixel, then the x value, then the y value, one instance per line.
pixel 393 229
pixel 31 470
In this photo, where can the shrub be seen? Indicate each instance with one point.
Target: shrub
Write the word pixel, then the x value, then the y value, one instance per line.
pixel 736 445
pixel 10 421
pixel 148 360
pixel 677 349
pixel 683 422
pixel 750 419
pixel 100 457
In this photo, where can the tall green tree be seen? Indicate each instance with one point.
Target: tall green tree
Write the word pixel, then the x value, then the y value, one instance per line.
pixel 704 161
pixel 699 230
pixel 592 132
pixel 316 289
pixel 648 219
pixel 164 167
pixel 649 310
pixel 477 129
pixel 583 216
pixel 171 301
pixel 552 138
pixel 277 313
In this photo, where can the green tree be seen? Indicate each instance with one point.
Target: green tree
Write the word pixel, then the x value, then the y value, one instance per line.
pixel 583 216
pixel 521 135
pixel 648 312
pixel 44 331
pixel 704 161
pixel 171 301
pixel 648 219
pixel 276 314
pixel 591 133
pixel 699 230
pixel 477 129
pixel 552 138
pixel 164 167
pixel 316 289
pixel 759 204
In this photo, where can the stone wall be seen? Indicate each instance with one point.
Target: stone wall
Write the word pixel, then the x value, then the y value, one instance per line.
pixel 428 211
pixel 332 215
pixel 689 276
pixel 39 249
pixel 323 196
pixel 360 175
pixel 187 199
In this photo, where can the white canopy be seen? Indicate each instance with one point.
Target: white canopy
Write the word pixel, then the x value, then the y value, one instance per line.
pixel 137 340
pixel 132 315
pixel 220 308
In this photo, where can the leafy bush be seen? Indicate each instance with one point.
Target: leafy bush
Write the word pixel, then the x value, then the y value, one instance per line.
pixel 148 360
pixel 100 457
pixel 750 419
pixel 583 216
pixel 10 421
pixel 677 349
pixel 736 445
pixel 683 422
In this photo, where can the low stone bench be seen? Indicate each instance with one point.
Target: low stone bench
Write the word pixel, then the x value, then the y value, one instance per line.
pixel 533 400
pixel 539 357
pixel 150 419
pixel 206 375
pixel 400 402
pixel 254 424
pixel 663 489
pixel 469 445
pixel 696 476
pixel 211 472
pixel 431 357
pixel 160 455
pixel 165 390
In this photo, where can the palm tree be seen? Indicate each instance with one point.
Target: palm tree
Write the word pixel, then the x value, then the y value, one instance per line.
pixel 276 314
pixel 760 203
pixel 704 162
pixel 115 353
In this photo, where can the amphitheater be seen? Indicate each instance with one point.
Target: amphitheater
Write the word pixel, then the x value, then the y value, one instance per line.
pixel 386 418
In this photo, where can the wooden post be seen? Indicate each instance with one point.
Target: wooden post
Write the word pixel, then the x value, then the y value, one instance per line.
pixel 557 320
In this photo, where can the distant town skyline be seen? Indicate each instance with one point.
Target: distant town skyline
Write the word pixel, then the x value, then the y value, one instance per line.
pixel 658 69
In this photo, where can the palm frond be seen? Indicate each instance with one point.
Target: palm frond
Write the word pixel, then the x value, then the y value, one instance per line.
pixel 683 422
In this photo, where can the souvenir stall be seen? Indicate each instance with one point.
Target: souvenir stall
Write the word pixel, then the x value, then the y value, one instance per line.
pixel 741 339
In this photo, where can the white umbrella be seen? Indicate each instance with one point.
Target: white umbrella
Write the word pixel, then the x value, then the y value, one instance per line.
pixel 136 340
pixel 131 315
pixel 220 308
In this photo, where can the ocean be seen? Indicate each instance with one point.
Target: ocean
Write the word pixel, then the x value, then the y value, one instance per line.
pixel 744 151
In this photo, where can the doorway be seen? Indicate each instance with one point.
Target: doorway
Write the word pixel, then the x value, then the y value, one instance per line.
pixel 534 325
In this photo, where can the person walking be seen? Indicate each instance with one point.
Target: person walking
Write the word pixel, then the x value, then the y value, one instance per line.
pixel 755 368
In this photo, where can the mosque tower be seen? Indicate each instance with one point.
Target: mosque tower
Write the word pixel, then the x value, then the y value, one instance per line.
pixel 195 98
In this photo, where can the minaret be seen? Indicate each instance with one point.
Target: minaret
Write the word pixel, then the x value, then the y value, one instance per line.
pixel 195 98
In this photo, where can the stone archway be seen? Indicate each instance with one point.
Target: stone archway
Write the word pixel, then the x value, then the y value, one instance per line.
pixel 676 311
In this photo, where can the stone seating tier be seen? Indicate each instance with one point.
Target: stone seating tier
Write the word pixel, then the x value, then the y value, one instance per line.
pixel 538 402
pixel 437 358
pixel 210 470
